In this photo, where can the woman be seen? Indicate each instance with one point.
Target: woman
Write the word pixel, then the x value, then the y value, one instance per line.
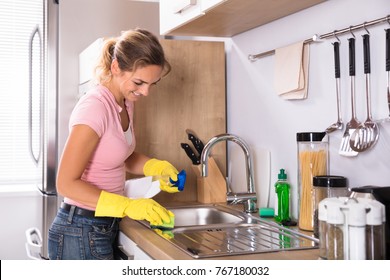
pixel 100 149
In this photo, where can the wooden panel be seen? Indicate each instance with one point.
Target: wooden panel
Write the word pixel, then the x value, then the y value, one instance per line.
pixel 192 96
pixel 235 16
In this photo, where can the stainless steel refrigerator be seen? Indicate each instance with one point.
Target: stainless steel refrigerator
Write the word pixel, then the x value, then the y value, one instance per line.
pixel 43 121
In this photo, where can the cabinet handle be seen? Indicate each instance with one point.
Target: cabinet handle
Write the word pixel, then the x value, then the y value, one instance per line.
pixel 184 5
pixel 122 254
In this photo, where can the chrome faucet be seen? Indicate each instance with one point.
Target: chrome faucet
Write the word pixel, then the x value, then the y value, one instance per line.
pixel 248 198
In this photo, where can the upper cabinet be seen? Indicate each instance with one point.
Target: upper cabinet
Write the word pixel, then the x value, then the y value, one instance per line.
pixel 223 18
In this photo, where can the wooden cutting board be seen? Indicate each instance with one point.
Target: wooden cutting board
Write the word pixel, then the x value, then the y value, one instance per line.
pixel 192 96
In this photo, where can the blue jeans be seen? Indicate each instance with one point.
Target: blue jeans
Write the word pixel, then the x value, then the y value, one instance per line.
pixel 75 237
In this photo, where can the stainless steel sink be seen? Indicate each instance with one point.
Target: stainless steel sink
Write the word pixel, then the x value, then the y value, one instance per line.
pixel 204 215
pixel 214 230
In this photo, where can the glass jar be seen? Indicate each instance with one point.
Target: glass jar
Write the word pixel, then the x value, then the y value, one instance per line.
pixel 375 231
pixel 327 186
pixel 375 220
pixel 335 230
pixel 312 161
pixel 323 229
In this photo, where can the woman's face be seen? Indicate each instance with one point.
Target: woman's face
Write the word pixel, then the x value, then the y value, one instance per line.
pixel 134 85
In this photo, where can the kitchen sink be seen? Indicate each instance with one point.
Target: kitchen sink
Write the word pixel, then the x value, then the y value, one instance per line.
pixel 204 231
pixel 204 215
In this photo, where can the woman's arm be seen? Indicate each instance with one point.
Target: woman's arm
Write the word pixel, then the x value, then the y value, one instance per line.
pixel 81 144
pixel 135 163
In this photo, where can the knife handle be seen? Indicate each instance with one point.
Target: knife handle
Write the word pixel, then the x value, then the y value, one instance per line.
pixel 196 142
pixel 366 53
pixel 351 56
pixel 336 49
pixel 195 160
pixel 387 49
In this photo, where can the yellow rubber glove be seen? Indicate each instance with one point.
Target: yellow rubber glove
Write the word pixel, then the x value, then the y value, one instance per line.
pixel 115 205
pixel 167 234
pixel 155 167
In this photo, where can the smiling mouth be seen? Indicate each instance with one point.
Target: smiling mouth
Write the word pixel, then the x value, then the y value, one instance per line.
pixel 136 94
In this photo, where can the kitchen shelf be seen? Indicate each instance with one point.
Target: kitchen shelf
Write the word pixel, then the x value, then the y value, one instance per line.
pixel 236 16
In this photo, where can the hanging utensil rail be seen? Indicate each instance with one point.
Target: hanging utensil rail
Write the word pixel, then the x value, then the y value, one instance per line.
pixel 316 38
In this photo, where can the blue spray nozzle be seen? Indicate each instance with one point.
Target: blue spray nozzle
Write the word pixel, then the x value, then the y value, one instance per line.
pixel 181 180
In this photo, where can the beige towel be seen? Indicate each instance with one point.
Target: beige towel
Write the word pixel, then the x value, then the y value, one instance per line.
pixel 291 71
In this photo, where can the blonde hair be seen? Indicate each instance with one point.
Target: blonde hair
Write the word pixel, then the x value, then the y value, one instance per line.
pixel 133 49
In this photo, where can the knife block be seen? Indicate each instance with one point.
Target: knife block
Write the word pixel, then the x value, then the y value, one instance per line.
pixel 210 189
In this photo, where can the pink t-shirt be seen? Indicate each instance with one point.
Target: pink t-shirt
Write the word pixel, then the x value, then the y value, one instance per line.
pixel 106 169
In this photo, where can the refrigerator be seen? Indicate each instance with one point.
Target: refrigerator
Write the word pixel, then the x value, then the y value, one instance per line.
pixel 43 123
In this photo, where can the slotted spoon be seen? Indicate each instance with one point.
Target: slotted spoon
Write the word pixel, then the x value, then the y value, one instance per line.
pixel 367 134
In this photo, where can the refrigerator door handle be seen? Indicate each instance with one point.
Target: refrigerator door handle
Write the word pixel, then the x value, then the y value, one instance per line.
pixel 35 153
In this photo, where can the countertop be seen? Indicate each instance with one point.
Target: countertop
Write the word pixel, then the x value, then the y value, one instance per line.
pixel 160 249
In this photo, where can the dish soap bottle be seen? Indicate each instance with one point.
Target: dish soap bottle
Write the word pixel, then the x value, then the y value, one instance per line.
pixel 282 205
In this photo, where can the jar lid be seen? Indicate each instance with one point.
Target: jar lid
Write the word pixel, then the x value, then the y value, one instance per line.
pixel 364 189
pixel 323 205
pixel 334 213
pixel 329 181
pixel 375 213
pixel 310 136
pixel 356 214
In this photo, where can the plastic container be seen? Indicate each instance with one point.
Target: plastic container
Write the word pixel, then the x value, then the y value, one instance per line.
pixel 356 231
pixel 312 148
pixel 382 195
pixel 323 229
pixel 324 187
pixel 335 230
pixel 375 231
pixel 282 205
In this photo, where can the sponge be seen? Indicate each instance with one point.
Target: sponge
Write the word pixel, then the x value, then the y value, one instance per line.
pixel 165 226
pixel 266 212
pixel 181 180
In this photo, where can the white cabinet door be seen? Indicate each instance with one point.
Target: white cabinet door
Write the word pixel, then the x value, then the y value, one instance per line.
pixel 131 249
pixel 174 13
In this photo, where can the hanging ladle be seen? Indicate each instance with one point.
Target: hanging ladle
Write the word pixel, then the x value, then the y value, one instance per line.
pixel 339 123
pixel 367 134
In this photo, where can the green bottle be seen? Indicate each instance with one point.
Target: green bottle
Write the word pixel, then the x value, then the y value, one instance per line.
pixel 282 205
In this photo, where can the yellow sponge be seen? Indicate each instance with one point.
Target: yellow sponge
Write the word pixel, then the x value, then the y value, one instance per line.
pixel 165 226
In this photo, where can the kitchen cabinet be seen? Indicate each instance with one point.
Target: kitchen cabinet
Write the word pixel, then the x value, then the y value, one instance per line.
pixel 130 249
pixel 175 13
pixel 224 18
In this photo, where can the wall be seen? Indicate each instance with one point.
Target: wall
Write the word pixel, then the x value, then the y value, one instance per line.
pixel 271 123
pixel 81 23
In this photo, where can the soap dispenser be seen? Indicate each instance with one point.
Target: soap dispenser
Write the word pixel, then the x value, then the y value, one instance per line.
pixel 282 204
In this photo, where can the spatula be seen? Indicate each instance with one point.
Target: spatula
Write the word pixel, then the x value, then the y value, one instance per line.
pixel 345 148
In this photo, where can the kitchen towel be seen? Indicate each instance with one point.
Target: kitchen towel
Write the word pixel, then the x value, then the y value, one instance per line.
pixel 291 71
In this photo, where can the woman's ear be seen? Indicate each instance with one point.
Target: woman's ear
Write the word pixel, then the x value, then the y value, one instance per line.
pixel 115 70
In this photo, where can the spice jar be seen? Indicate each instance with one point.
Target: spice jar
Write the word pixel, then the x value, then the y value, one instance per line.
pixel 335 230
pixel 323 229
pixel 312 161
pixel 327 186
pixel 375 221
pixel 375 231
